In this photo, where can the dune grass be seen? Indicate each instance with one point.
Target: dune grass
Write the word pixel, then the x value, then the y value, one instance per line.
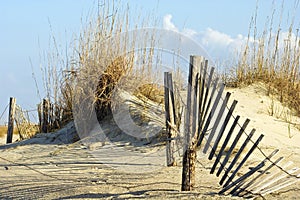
pixel 93 69
pixel 273 59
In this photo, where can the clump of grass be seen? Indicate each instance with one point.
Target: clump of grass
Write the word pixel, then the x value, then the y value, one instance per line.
pixel 152 91
pixel 265 59
pixel 102 62
pixel 23 126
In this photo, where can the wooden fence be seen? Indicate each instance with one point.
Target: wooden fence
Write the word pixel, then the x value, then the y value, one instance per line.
pixel 50 116
pixel 211 127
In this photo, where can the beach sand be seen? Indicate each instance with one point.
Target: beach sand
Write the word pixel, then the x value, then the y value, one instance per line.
pixel 49 166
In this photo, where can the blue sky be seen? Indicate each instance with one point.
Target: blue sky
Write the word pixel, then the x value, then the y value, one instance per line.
pixel 25 31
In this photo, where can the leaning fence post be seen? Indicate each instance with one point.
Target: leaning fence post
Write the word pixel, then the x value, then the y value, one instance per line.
pixel 11 119
pixel 170 118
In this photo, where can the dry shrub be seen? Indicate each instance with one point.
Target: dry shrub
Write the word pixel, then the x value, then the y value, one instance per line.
pixel 107 83
pixel 152 91
pixel 26 130
pixel 103 61
pixel 23 126
pixel 94 91
pixel 104 64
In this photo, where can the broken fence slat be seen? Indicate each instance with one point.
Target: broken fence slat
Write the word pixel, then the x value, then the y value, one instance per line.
pixel 228 116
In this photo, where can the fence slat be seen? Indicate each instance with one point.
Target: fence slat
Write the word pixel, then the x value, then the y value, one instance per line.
pixel 244 160
pixel 237 155
pixel 228 116
pixel 201 104
pixel 204 120
pixel 211 114
pixel 11 120
pixel 208 86
pixel 167 115
pixel 286 183
pixel 217 122
pixel 206 109
pixel 171 92
pixel 239 189
pixel 172 115
pixel 261 185
pixel 248 174
pixel 224 144
pixel 195 107
pixel 234 143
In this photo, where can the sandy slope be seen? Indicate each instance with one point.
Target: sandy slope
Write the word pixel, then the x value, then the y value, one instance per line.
pixel 49 167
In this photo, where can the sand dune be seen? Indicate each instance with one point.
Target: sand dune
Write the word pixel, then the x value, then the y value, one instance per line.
pixel 51 166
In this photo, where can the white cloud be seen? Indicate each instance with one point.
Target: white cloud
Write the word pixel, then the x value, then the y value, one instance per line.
pixel 223 47
pixel 211 36
pixel 189 32
pixel 219 45
pixel 168 24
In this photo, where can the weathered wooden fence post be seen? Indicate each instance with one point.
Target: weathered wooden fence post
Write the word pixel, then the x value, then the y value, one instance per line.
pixel 11 119
pixel 206 120
pixel 45 116
pixel 39 108
pixel 170 118
pixel 191 124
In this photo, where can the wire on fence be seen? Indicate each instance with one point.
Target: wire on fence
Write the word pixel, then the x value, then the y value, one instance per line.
pixel 4 112
pixel 251 140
